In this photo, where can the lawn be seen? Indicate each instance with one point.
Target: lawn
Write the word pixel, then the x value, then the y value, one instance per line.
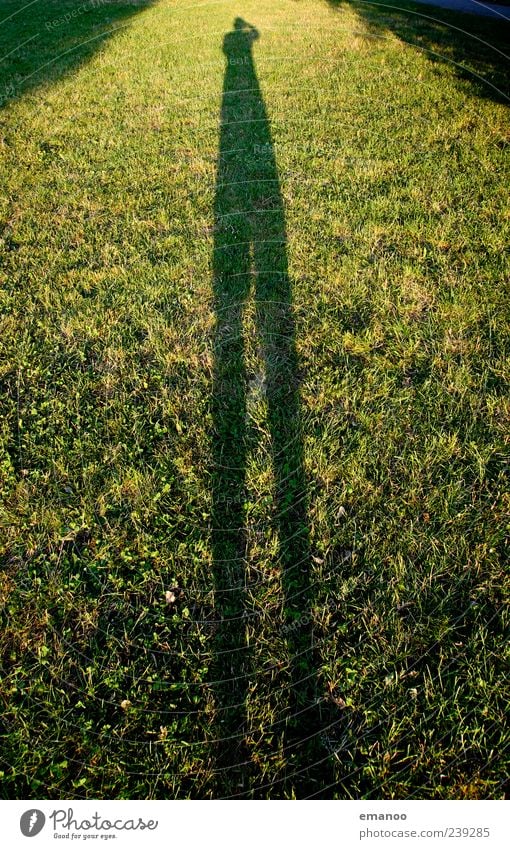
pixel 254 400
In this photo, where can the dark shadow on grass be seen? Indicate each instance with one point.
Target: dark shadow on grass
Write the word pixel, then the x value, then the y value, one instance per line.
pixel 476 48
pixel 43 40
pixel 250 271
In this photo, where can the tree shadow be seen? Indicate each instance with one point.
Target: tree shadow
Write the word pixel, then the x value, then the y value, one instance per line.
pixel 250 270
pixel 44 41
pixel 477 48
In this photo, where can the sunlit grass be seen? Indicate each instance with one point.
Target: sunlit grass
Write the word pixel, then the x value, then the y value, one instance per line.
pixel 393 165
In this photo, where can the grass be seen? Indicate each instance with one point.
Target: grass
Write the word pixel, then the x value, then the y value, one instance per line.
pixel 254 466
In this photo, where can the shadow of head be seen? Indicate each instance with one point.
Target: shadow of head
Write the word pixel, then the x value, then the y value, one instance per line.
pixel 242 26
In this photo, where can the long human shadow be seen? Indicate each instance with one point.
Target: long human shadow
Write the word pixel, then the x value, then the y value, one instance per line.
pixel 474 47
pixel 44 40
pixel 250 258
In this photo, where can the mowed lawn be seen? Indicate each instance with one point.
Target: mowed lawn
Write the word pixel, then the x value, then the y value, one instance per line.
pixel 254 400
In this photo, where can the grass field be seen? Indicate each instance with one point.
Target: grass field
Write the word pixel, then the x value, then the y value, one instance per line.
pixel 255 412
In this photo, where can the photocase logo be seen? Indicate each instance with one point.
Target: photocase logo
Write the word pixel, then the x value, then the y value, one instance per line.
pixel 32 822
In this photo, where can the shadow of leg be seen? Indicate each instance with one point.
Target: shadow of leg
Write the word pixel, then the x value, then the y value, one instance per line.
pixel 228 537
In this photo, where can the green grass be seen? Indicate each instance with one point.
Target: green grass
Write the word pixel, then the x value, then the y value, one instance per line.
pixel 344 401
